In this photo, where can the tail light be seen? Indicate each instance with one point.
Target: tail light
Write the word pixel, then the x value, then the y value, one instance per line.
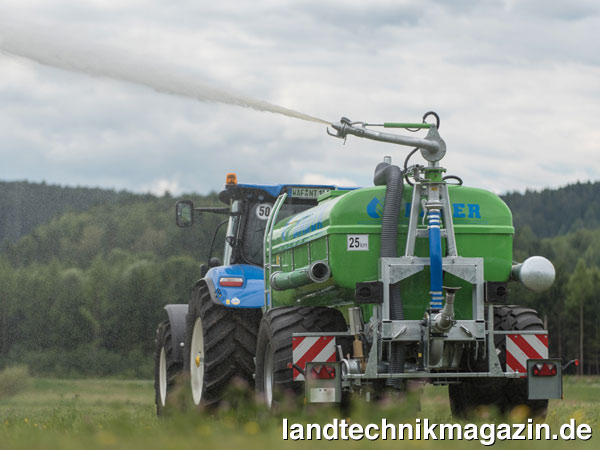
pixel 544 370
pixel 322 372
pixel 231 281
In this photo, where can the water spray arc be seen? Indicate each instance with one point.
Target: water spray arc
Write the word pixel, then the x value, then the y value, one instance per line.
pixel 74 55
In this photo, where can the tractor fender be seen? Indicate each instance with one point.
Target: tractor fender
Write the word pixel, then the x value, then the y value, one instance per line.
pixel 249 295
pixel 177 318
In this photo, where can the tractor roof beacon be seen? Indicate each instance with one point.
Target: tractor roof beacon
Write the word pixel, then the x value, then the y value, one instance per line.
pixel 330 291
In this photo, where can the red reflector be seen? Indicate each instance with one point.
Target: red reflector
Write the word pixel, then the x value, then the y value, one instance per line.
pixel 323 372
pixel 544 370
pixel 231 281
pixel 576 362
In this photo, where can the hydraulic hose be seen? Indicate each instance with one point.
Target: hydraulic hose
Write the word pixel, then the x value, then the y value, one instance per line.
pixel 435 258
pixel 391 176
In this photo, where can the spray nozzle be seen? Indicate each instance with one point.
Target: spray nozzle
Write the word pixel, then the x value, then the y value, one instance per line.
pixel 342 128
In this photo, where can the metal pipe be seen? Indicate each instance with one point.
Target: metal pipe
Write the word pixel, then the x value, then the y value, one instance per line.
pixel 444 320
pixel 440 375
pixel 345 127
pixel 268 251
pixel 317 272
pixel 433 144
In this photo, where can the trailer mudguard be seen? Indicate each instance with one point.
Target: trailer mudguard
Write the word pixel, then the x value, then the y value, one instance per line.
pixel 250 294
pixel 177 318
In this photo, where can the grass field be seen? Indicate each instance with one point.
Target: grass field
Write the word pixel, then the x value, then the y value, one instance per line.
pixel 115 414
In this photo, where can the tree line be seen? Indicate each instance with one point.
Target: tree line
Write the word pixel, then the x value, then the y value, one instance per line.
pixel 83 293
pixel 571 308
pixel 24 205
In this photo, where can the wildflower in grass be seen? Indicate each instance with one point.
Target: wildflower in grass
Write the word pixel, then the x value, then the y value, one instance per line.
pixel 204 430
pixel 520 414
pixel 251 428
pixel 26 420
pixel 578 415
pixel 106 439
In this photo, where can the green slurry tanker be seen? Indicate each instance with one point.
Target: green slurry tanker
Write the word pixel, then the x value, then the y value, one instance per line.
pixel 327 291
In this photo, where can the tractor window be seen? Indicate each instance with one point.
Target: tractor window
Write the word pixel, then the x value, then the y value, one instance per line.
pixel 256 221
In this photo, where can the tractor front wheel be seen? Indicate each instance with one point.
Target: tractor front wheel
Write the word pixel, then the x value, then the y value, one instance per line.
pixel 220 345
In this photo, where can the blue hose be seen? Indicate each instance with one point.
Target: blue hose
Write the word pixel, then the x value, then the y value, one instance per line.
pixel 435 258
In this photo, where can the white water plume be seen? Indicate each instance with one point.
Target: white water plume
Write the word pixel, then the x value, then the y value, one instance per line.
pixel 76 56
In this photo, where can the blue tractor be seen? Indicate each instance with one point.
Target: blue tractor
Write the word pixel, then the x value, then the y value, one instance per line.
pixel 213 338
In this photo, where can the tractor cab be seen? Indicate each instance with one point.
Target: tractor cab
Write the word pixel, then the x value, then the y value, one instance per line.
pixel 248 208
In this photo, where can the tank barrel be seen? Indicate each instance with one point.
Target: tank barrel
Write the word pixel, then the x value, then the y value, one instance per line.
pixel 317 272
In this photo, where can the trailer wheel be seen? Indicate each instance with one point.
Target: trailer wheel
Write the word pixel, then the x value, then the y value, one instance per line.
pixel 220 345
pixel 274 377
pixel 504 394
pixel 166 368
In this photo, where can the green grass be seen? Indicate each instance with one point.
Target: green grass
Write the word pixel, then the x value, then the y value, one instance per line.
pixel 115 414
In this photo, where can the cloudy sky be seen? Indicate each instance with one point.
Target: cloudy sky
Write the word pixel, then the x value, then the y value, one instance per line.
pixel 516 83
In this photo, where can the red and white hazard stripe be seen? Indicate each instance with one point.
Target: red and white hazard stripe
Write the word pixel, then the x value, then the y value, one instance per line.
pixel 521 347
pixel 311 349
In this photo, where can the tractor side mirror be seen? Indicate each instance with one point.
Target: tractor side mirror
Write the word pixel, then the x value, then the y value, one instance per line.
pixel 184 213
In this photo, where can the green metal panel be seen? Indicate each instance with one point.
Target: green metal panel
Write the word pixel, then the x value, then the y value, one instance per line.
pixel 483 228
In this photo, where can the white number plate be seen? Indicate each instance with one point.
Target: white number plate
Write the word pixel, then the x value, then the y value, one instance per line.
pixel 322 395
pixel 298 192
pixel 357 242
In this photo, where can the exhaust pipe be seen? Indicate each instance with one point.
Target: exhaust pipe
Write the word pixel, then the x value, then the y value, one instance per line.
pixel 317 272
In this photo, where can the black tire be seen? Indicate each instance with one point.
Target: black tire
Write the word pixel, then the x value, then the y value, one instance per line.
pixel 229 341
pixel 503 393
pixel 165 374
pixel 275 342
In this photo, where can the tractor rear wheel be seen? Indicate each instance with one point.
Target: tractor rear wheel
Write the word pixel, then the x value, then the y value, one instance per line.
pixel 220 345
pixel 166 368
pixel 503 393
pixel 274 376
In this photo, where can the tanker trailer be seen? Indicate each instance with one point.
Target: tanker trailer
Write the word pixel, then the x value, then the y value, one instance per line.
pixel 406 280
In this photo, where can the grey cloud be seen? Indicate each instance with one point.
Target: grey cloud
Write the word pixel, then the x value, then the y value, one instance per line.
pixel 503 78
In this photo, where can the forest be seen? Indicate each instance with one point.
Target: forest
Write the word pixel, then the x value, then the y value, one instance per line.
pixel 84 273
